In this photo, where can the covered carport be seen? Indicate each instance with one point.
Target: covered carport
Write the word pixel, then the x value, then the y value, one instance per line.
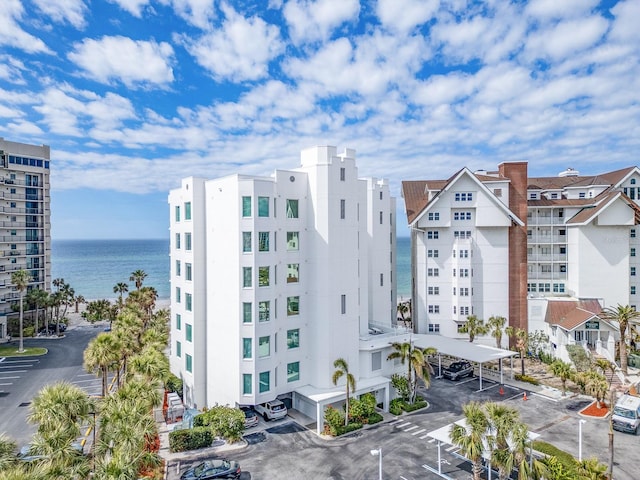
pixel 464 350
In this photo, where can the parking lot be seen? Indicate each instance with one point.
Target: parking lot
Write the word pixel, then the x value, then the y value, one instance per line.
pixel 285 449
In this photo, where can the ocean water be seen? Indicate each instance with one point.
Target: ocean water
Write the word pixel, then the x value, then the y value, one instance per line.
pixel 93 267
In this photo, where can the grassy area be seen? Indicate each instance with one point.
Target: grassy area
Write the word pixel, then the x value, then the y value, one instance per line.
pixel 12 351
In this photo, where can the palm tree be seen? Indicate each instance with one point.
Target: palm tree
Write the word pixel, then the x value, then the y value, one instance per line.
pixel 404 309
pixel 416 361
pixel 7 449
pixel 520 338
pixel 564 371
pixel 495 326
pixel 597 386
pixel 101 355
pixel 61 404
pixel 471 437
pixel 342 370
pixel 138 277
pixel 78 300
pixel 39 299
pixel 502 422
pixel 20 278
pixel 152 364
pixel 624 316
pixel 473 326
pixel 592 469
pixel 120 288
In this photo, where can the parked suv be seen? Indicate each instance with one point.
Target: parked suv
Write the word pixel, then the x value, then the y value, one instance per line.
pixel 250 417
pixel 458 370
pixel 272 410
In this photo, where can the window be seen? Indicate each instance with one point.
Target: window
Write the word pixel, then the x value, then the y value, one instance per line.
pixel 382 279
pixel 178 349
pixel 263 276
pixel 376 361
pixel 462 216
pixel 432 235
pixel 293 372
pixel 633 233
pixel 177 241
pixel 187 301
pixel 292 241
pixel 633 290
pixel 178 296
pixel 497 192
pixel 178 321
pixel 187 211
pixel 293 338
pixel 464 310
pixel 263 206
pixel 246 206
pixel 177 213
pixel 343 204
pixel 189 363
pixel 342 174
pixel 434 216
pixel 246 242
pixel 433 272
pixel 293 272
pixel 187 241
pixel 188 271
pixel 633 271
pixel 247 277
pixel 263 241
pixel 264 346
pixel 380 217
pixel 293 305
pixel 632 253
pixel 464 272
pixel 462 234
pixel 343 304
pixel 247 314
pixel 434 327
pixel 292 208
pixel 464 197
pixel 433 290
pixel 264 311
pixel 177 267
pixel 434 308
pixel 432 253
pixel 558 287
pixel 247 384
pixel 264 382
pixel 247 350
pixel 582 195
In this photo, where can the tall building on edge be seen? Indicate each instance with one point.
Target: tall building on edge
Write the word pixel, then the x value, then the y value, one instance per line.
pixel 25 238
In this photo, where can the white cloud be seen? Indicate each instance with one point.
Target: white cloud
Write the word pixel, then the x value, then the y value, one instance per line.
pixel 404 15
pixel 61 11
pixel 547 9
pixel 123 59
pixel 11 69
pixel 10 32
pixel 625 26
pixel 196 12
pixel 134 7
pixel 310 20
pixel 241 50
pixel 566 38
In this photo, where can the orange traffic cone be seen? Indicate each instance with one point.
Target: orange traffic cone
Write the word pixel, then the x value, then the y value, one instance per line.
pixel 524 397
pixel 501 391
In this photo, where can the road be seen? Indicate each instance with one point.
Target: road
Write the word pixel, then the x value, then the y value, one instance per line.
pixel 22 378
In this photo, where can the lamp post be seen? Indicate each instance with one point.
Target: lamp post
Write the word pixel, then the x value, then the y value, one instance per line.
pixel 378 452
pixel 580 439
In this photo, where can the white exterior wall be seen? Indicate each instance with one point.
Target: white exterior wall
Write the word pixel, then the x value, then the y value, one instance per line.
pixel 334 260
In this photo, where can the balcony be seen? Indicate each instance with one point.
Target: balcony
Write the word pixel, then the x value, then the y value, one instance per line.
pixel 19 238
pixel 20 210
pixel 557 257
pixel 537 220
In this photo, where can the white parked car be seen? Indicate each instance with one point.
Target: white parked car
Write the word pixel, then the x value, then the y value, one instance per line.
pixel 272 410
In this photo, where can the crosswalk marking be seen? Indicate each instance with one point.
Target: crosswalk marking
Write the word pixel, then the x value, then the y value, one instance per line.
pixel 431 440
pixel 411 428
pixel 403 424
pixel 419 431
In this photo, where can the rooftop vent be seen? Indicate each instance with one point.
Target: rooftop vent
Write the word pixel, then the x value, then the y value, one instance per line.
pixel 569 172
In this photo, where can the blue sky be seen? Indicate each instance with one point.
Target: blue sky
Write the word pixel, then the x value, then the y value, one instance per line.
pixel 132 95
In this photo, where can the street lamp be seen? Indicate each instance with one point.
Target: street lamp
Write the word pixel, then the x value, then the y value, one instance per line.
pixel 580 439
pixel 378 452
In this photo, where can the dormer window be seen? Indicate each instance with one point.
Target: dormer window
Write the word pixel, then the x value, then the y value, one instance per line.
pixel 633 181
pixel 533 196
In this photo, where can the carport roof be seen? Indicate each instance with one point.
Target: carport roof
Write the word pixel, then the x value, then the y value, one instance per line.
pixel 461 348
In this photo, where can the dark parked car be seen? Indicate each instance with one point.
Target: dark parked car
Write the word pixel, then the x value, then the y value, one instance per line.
pixel 458 370
pixel 250 417
pixel 213 469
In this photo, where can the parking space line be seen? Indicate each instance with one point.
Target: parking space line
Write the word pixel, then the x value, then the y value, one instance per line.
pixel 452 447
pixel 14 371
pixel 419 431
pixel 76 382
pixel 6 383
pixel 9 378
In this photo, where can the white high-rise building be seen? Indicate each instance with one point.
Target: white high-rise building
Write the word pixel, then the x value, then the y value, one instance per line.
pixel 274 278
pixel 537 251
pixel 25 229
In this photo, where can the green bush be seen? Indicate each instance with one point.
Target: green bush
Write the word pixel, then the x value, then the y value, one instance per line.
pixel 526 378
pixel 375 417
pixel 395 406
pixel 28 331
pixel 579 357
pixel 401 384
pixel 361 409
pixel 566 459
pixel 341 430
pixel 224 422
pixel 546 358
pixel 334 419
pixel 192 439
pixel 408 407
pixel 173 384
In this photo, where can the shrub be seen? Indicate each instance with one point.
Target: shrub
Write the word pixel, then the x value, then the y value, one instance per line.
pixel 395 407
pixel 401 384
pixel 173 384
pixel 526 378
pixel 28 331
pixel 361 409
pixel 579 357
pixel 563 457
pixel 375 417
pixel 411 407
pixel 192 439
pixel 341 430
pixel 334 419
pixel 224 422
pixel 546 358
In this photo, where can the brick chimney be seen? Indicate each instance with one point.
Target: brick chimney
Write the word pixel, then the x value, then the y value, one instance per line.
pixel 516 172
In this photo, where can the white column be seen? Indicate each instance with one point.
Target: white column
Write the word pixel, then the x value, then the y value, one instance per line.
pixel 319 417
